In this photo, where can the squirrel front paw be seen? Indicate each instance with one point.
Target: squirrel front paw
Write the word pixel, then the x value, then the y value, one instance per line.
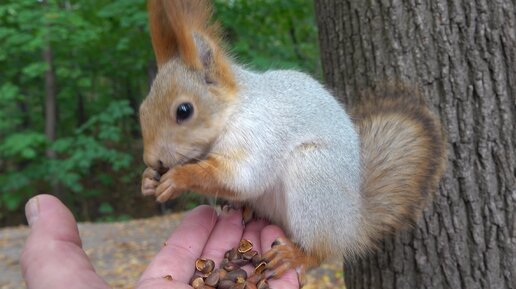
pixel 150 181
pixel 162 187
pixel 168 188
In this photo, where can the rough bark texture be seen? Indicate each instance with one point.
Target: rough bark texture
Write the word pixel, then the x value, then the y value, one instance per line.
pixel 463 56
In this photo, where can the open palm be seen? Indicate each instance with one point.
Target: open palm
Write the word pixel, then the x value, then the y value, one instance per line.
pixel 53 256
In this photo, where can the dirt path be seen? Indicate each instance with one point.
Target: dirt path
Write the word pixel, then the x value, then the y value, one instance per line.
pixel 120 252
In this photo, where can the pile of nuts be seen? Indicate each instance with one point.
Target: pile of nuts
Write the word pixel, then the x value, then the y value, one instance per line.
pixel 230 275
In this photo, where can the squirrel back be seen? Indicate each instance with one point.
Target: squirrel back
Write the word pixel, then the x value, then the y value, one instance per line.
pixel 403 156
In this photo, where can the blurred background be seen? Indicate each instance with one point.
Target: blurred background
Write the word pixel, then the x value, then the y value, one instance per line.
pixel 72 75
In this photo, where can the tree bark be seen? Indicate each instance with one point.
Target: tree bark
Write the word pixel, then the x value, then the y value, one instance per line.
pixel 50 99
pixel 462 54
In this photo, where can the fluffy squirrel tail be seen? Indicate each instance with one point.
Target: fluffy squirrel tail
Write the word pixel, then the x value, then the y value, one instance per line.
pixel 403 156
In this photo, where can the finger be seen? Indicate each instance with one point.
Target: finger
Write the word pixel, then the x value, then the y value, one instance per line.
pixel 183 247
pixel 162 283
pixel 52 256
pixel 226 235
pixel 289 280
pixel 252 233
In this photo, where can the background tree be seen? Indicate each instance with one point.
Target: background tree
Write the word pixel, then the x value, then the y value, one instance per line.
pixel 462 54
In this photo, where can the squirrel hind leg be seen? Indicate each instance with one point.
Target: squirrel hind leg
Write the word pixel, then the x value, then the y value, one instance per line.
pixel 285 255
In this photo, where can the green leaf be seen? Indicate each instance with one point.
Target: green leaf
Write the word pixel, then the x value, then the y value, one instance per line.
pixel 23 144
pixel 9 92
pixel 12 201
pixel 106 208
pixel 35 69
pixel 28 153
pixel 62 145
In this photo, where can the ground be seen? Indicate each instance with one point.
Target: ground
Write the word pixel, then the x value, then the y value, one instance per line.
pixel 120 252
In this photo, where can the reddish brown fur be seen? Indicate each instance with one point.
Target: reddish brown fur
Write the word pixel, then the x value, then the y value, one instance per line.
pixel 173 24
pixel 190 60
pixel 203 178
pixel 403 150
pixel 163 38
pixel 286 255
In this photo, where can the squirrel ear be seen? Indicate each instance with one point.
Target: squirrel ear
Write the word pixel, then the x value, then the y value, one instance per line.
pixel 176 27
pixel 205 54
pixel 163 39
pixel 181 29
pixel 204 51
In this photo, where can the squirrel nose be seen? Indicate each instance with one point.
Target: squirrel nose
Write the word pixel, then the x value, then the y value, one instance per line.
pixel 155 163
pixel 161 169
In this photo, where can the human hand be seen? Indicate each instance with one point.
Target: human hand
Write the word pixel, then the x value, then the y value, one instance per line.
pixel 53 257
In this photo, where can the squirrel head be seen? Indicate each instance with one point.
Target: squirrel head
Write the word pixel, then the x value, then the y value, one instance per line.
pixel 194 90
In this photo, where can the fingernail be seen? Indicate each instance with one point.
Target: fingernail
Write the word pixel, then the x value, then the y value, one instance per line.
pixel 32 210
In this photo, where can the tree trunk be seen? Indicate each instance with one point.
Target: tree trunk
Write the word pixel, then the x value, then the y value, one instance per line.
pixel 50 99
pixel 50 87
pixel 462 54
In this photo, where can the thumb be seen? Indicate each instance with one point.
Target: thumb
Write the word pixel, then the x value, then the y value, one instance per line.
pixel 49 219
pixel 52 256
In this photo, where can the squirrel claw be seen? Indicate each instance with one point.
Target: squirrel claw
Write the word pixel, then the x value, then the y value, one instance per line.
pixel 285 255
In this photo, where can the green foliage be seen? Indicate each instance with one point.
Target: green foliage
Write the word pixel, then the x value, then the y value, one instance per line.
pixel 101 57
pixel 100 62
pixel 79 154
pixel 271 33
pixel 108 214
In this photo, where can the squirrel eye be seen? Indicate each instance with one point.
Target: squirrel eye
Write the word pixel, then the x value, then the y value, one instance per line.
pixel 184 112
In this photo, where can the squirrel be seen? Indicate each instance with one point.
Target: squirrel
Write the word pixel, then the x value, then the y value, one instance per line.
pixel 336 179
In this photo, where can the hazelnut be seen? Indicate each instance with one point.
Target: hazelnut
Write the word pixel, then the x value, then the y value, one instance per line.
pixel 204 266
pixel 245 246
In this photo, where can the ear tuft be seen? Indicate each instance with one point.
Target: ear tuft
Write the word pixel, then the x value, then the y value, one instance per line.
pixel 163 38
pixel 173 24
pixel 182 29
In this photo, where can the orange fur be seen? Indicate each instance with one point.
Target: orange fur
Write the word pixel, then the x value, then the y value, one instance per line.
pixel 163 38
pixel 403 151
pixel 185 18
pixel 286 255
pixel 203 177
pixel 173 85
pixel 174 24
pixel 183 38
